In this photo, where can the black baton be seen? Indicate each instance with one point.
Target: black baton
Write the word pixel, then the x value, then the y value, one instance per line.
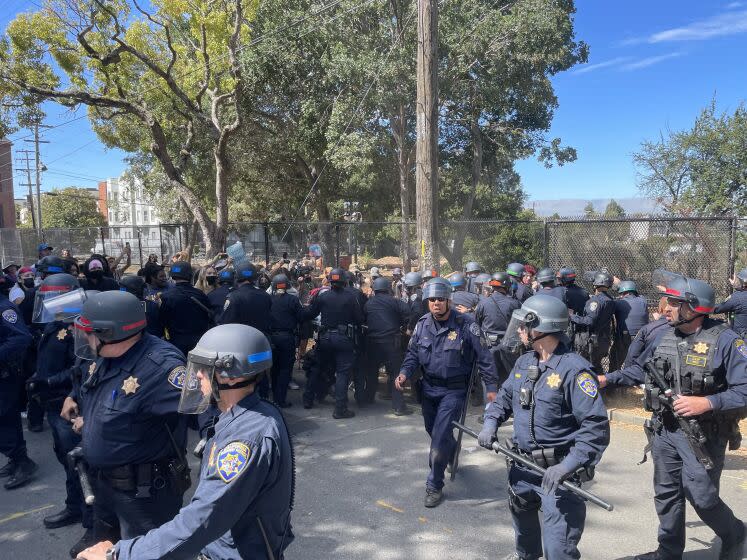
pixel 77 463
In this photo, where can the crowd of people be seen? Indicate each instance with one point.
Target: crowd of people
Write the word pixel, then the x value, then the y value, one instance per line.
pixel 122 364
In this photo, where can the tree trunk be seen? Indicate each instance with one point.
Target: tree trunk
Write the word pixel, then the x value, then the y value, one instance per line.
pixel 426 173
pixel 399 132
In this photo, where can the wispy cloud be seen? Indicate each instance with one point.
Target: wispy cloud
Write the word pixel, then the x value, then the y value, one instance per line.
pixel 649 61
pixel 720 25
pixel 599 65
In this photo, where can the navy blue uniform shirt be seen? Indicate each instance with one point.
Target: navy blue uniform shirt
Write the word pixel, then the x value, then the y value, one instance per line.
pixel 14 334
pixel 337 306
pixel 736 303
pixel 598 313
pixel 126 401
pixel 447 349
pixel 248 305
pixel 245 488
pixel 55 359
pixel 217 299
pixel 385 315
pixel 494 313
pixel 631 314
pixel 183 319
pixel 285 313
pixel 576 298
pixel 568 411
pixel 466 299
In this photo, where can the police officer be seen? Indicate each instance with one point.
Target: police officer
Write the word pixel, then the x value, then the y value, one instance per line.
pixel 136 286
pixel 445 344
pixel 133 437
pixel 519 290
pixel 463 300
pixel 560 422
pixel 575 296
pixel 736 303
pixel 418 308
pixel 61 299
pixel 341 313
pixel 471 270
pixel 631 315
pixel 50 265
pixel 704 363
pixel 398 287
pixel 185 311
pixel 493 315
pixel 480 284
pixel 15 338
pixel 593 329
pixel 546 279
pixel 219 295
pixel 243 502
pixel 285 316
pixel 386 317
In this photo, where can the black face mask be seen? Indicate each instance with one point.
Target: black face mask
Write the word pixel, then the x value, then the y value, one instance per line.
pixel 211 280
pixel 95 274
pixel 28 282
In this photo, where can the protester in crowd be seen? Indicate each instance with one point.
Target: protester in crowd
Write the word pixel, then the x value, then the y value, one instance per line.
pixel 207 279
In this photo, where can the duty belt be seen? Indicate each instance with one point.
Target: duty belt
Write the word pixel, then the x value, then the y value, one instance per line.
pixel 141 478
pixel 448 382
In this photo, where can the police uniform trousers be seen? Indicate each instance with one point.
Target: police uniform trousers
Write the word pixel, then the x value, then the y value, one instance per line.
pixel 678 476
pixel 65 440
pixel 441 406
pixel 12 443
pixel 619 350
pixel 595 352
pixel 34 411
pixel 283 358
pixel 385 351
pixel 334 348
pixel 563 517
pixel 135 516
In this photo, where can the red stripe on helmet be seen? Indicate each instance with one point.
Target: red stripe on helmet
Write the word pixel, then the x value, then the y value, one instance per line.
pixel 55 289
pixel 671 292
pixel 701 309
pixel 133 325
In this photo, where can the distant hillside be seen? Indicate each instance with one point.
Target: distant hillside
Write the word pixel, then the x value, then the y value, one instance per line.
pixel 570 207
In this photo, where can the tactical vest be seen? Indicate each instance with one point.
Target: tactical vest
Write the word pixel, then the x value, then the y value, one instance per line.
pixel 696 356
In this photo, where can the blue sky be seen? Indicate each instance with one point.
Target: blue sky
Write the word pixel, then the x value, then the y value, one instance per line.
pixel 653 65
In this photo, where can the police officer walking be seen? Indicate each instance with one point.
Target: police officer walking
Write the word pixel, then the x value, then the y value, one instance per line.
pixel 133 437
pixel 593 329
pixel 704 363
pixel 463 300
pixel 285 316
pixel 736 303
pixel 386 317
pixel 445 344
pixel 341 313
pixel 185 311
pixel 493 315
pixel 243 502
pixel 560 423
pixel 15 338
pixel 631 315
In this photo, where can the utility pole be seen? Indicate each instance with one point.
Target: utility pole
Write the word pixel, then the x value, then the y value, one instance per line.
pixel 30 196
pixel 426 169
pixel 37 141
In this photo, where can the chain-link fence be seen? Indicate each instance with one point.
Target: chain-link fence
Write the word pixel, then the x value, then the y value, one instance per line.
pixel 703 247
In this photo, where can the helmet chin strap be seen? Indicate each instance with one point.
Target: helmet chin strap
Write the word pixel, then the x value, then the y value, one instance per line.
pixel 679 322
pixel 533 339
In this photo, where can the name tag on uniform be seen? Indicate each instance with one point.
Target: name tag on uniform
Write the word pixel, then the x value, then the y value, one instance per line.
pixel 693 360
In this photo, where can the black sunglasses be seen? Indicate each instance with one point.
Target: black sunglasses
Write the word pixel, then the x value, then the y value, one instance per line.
pixel 438 299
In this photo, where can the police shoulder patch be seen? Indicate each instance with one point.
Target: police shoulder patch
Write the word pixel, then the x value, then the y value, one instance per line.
pixel 587 384
pixel 232 460
pixel 741 347
pixel 593 305
pixel 177 375
pixel 474 328
pixel 10 316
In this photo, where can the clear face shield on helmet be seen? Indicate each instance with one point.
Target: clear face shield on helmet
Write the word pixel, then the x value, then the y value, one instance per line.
pixel 521 321
pixel 199 387
pixel 88 340
pixel 57 304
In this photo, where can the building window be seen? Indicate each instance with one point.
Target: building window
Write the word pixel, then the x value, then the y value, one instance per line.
pixel 145 216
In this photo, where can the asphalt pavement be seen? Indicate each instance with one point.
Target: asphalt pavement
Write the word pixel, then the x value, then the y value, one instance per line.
pixel 360 490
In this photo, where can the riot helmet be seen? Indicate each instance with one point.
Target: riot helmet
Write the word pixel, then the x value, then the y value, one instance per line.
pixel 413 279
pixel 545 276
pixel 437 288
pixel 246 272
pixel 181 270
pixel 280 283
pixel 457 281
pixel 337 278
pixel 397 272
pixel 542 313
pixel 698 295
pixel 226 276
pixel 134 285
pixel 567 276
pixel 382 284
pixel 230 351
pixel 740 279
pixel 603 280
pixel 516 270
pixel 51 264
pixel 627 286
pixel 59 298
pixel 472 268
pixel 375 272
pixel 107 318
pixel 500 280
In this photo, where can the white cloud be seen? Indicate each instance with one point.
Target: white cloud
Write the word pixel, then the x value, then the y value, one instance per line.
pixel 734 5
pixel 721 25
pixel 607 63
pixel 649 61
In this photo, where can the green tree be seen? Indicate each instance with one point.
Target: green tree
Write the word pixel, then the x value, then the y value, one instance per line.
pixel 701 171
pixel 614 210
pixel 165 80
pixel 69 208
pixel 589 211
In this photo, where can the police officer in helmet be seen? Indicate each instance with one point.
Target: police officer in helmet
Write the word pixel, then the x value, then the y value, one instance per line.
pixel 736 303
pixel 136 286
pixel 463 300
pixel 133 439
pixel 285 316
pixel 631 315
pixel 341 314
pixel 471 270
pixel 242 505
pixel 546 279
pixel 219 295
pixel 519 290
pixel 704 364
pixel 445 345
pixel 593 329
pixel 560 423
pixel 575 296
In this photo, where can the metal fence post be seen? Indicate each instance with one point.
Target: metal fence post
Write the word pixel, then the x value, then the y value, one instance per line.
pixel 337 244
pixel 267 244
pixel 160 241
pixel 733 247
pixel 545 244
pixel 103 243
pixel 140 247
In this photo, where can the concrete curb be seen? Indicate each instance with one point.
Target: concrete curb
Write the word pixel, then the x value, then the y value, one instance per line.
pixel 621 416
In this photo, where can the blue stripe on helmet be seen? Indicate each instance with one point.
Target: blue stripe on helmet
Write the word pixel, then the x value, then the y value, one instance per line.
pixel 260 357
pixel 54 269
pixel 176 269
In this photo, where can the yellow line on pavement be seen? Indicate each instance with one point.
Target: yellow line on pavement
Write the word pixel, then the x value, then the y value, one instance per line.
pixel 24 513
pixel 382 503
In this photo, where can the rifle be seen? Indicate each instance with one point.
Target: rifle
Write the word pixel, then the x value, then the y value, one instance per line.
pixel 76 462
pixel 663 395
pixel 498 448
pixel 454 464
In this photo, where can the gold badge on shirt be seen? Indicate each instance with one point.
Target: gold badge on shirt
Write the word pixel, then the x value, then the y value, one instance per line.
pixel 452 335
pixel 91 369
pixel 130 385
pixel 700 347
pixel 553 381
pixel 62 334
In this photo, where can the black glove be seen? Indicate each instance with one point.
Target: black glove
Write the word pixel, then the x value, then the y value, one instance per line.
pixel 554 476
pixel 37 385
pixel 487 435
